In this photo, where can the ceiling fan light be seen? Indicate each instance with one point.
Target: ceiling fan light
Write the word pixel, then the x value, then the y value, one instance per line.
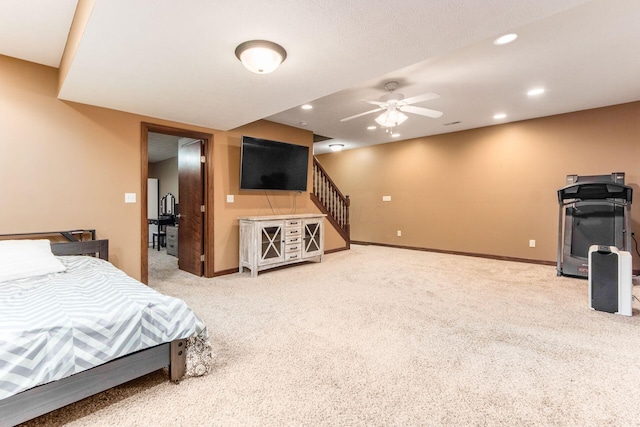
pixel 261 56
pixel 391 118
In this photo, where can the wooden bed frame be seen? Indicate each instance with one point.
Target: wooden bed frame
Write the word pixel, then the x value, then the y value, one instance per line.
pixel 45 398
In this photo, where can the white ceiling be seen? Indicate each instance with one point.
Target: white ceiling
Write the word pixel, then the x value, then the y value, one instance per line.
pixel 35 30
pixel 177 62
pixel 162 147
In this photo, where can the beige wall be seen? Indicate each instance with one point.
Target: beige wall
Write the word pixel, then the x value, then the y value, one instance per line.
pixel 65 165
pixel 167 173
pixel 489 190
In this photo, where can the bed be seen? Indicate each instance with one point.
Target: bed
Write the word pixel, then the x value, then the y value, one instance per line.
pixel 73 325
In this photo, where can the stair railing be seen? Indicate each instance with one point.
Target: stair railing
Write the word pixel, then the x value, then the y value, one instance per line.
pixel 331 201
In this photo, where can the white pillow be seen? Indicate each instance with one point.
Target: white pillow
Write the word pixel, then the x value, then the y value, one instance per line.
pixel 27 258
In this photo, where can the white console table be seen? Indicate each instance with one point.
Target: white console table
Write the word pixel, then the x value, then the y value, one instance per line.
pixel 276 240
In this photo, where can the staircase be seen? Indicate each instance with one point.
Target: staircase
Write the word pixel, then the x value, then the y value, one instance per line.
pixel 331 201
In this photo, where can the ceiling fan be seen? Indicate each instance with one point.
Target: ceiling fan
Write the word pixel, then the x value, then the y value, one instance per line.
pixel 394 104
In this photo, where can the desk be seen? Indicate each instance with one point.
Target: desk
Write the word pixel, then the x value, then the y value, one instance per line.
pixel 161 222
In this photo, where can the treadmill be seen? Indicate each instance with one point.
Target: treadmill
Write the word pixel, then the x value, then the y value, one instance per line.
pixel 593 210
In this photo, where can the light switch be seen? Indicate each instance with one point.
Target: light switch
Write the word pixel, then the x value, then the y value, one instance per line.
pixel 129 197
pixel 386 198
pixel 229 198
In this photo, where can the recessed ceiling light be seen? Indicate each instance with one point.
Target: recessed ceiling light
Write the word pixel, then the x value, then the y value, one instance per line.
pixel 507 38
pixel 303 123
pixel 499 116
pixel 536 91
pixel 395 135
pixel 336 147
pixel 371 128
pixel 307 107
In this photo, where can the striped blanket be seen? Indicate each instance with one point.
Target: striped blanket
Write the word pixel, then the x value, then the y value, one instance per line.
pixel 57 325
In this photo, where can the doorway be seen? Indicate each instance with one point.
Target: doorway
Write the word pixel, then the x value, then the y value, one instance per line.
pixel 192 215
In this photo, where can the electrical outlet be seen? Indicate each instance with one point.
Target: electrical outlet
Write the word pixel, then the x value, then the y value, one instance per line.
pixel 230 198
pixel 386 198
pixel 532 243
pixel 399 233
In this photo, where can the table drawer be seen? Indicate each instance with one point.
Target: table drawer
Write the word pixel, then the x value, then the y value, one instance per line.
pixel 294 247
pixel 172 240
pixel 293 223
pixel 172 248
pixel 292 256
pixel 292 239
pixel 292 232
pixel 172 233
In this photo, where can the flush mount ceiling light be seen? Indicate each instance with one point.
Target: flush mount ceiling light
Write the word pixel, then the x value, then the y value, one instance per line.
pixel 261 56
pixel 307 107
pixel 336 147
pixel 499 116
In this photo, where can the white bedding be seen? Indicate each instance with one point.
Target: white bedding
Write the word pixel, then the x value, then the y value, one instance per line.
pixel 27 258
pixel 63 323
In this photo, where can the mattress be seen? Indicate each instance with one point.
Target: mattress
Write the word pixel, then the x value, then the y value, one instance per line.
pixel 64 323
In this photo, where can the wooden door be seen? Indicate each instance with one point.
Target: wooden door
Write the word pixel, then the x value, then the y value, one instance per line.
pixel 190 218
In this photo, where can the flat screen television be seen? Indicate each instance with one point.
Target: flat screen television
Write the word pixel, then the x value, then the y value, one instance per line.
pixel 273 165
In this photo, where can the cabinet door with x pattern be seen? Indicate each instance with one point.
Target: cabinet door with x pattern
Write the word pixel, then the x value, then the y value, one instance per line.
pixel 313 237
pixel 271 242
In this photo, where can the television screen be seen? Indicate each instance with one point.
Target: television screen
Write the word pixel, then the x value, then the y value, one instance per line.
pixel 272 165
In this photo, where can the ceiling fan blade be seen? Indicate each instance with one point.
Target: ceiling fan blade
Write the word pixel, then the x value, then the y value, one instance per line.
pixel 381 104
pixel 421 98
pixel 361 114
pixel 434 114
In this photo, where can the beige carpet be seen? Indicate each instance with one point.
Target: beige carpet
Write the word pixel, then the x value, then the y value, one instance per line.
pixel 379 336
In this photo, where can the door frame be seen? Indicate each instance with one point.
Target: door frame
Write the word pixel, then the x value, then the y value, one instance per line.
pixel 207 233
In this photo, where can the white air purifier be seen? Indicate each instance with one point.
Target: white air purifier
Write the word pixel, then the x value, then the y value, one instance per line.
pixel 610 283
